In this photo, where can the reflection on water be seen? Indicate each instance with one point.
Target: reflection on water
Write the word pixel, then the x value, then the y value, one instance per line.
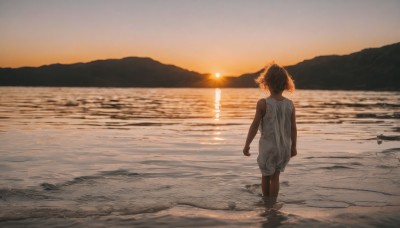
pixel 130 108
pixel 217 113
pixel 172 157
pixel 217 103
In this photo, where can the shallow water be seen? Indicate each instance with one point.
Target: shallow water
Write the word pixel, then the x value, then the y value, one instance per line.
pixel 172 157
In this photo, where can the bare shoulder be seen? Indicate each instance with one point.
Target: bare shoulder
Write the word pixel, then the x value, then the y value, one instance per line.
pixel 291 102
pixel 293 107
pixel 262 105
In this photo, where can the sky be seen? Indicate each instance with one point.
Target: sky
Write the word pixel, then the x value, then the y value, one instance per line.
pixel 227 36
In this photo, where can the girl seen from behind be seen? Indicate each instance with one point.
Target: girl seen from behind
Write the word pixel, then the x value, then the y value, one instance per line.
pixel 276 120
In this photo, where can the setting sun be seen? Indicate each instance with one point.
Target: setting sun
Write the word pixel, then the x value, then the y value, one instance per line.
pixel 217 75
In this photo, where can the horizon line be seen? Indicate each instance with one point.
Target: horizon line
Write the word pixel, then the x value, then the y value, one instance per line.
pixel 172 64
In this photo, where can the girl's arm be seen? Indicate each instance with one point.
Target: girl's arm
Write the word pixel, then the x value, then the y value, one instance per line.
pixel 260 110
pixel 294 133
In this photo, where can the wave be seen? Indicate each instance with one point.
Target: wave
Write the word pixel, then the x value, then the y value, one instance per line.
pixel 54 212
pixel 214 124
pixel 7 194
pixel 391 150
pixel 77 180
pixel 388 166
pixel 378 116
pixel 334 167
pixel 12 194
pixel 389 137
pixel 360 105
pixel 335 157
pixel 359 190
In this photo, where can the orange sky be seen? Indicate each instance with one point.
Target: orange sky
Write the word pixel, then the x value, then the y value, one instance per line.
pixel 227 36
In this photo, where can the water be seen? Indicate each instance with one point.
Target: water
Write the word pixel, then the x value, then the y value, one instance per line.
pixel 91 157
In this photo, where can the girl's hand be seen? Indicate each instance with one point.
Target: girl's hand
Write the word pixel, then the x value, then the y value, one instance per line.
pixel 294 152
pixel 246 150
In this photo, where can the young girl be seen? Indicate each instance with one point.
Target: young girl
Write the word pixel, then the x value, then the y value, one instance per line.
pixel 275 117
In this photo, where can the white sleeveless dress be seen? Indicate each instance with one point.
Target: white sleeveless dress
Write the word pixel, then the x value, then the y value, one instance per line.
pixel 275 141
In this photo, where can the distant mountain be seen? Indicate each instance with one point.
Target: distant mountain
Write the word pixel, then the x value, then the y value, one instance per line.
pixel 369 69
pixel 126 72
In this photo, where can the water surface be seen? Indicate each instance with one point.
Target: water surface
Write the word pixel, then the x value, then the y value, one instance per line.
pixel 173 157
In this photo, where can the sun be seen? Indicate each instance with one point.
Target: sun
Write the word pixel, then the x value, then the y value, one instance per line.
pixel 217 75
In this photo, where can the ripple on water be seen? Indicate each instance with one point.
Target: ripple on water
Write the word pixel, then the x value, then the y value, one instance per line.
pixel 167 168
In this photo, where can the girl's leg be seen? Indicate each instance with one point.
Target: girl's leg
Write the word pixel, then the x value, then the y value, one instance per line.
pixel 265 185
pixel 274 186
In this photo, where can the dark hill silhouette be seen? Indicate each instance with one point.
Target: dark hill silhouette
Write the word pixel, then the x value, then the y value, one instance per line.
pixel 369 69
pixel 126 72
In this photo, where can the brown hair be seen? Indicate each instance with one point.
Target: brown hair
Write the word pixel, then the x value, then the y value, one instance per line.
pixel 275 79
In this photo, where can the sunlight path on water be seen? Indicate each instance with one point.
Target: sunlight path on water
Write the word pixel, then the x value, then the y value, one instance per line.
pixel 173 157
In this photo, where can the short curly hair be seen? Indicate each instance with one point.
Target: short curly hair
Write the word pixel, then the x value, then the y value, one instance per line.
pixel 275 79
